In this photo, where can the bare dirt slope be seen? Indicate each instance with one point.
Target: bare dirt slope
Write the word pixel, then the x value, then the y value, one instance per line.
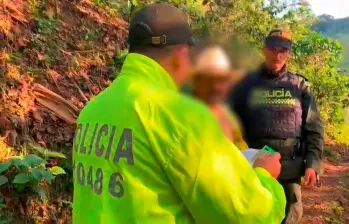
pixel 330 202
pixel 66 46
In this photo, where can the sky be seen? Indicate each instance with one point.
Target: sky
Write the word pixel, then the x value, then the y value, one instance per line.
pixel 336 8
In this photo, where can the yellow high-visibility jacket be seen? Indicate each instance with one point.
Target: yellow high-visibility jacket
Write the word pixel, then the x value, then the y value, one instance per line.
pixel 145 153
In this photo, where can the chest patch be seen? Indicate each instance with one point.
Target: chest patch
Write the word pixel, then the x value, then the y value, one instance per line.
pixel 273 96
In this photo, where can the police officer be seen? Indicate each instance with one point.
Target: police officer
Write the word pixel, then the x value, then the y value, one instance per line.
pixel 277 109
pixel 144 153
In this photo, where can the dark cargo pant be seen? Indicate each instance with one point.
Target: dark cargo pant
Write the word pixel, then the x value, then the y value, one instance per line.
pixel 294 208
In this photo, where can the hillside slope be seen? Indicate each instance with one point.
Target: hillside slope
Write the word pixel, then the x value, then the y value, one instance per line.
pixel 65 46
pixel 337 29
pixel 55 56
pixel 70 48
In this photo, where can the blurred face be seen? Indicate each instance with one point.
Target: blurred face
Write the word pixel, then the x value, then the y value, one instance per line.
pixel 181 63
pixel 276 57
pixel 211 89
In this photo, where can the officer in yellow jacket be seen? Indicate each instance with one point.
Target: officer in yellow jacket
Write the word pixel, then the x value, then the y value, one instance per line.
pixel 212 78
pixel 144 153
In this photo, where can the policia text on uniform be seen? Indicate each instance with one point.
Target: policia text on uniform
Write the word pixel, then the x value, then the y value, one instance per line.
pixel 95 177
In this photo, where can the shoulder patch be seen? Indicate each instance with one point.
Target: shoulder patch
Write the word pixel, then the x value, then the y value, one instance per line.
pixel 302 76
pixel 305 78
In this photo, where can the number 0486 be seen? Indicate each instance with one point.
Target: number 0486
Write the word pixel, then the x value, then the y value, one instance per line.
pixel 93 178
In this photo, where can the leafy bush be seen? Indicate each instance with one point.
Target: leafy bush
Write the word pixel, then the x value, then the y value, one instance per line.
pixel 314 56
pixel 337 212
pixel 47 25
pixel 27 173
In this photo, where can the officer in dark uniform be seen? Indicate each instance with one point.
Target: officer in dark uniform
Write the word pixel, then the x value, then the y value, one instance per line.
pixel 276 108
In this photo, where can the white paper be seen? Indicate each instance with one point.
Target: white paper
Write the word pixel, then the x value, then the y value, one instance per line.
pixel 249 154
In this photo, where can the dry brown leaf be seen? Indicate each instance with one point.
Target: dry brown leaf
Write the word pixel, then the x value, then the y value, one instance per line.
pixel 56 104
pixel 59 110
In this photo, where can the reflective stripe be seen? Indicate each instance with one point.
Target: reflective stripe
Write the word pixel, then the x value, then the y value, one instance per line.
pixel 275 101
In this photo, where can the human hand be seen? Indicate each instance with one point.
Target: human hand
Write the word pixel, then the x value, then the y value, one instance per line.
pixel 309 178
pixel 269 162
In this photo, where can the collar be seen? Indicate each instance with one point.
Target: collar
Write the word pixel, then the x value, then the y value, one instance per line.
pixel 143 67
pixel 264 71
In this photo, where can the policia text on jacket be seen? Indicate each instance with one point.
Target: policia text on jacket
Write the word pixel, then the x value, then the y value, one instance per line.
pixel 146 153
pixel 95 176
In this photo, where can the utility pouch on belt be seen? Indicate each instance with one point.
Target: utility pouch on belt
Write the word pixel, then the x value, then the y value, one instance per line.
pixel 292 168
pixel 292 160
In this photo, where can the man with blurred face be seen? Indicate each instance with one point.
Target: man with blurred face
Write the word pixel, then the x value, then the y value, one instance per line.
pixel 145 153
pixel 211 83
pixel 277 109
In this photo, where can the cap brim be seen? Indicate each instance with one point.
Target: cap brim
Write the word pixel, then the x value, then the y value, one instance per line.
pixel 278 42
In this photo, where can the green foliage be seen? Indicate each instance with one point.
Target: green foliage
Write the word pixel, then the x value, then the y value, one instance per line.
pixel 114 7
pixel 47 25
pixel 35 7
pixel 47 153
pixel 56 170
pixel 30 171
pixel 344 40
pixel 3 180
pixel 332 220
pixel 337 212
pixel 14 57
pixel 340 133
pixel 120 58
pixel 337 29
pixel 98 2
pixel 329 26
pixel 5 219
pixel 318 59
pixel 314 56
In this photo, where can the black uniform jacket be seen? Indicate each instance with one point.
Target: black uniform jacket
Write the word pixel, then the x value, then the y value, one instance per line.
pixel 278 110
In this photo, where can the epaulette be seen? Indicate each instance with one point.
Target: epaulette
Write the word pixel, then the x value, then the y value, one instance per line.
pixel 295 73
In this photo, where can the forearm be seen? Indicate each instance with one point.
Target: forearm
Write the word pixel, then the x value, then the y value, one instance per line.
pixel 314 148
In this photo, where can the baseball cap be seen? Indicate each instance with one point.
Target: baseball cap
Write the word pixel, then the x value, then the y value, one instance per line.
pixel 279 38
pixel 160 24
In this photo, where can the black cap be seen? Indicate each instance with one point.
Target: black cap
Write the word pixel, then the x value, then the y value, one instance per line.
pixel 279 38
pixel 160 24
